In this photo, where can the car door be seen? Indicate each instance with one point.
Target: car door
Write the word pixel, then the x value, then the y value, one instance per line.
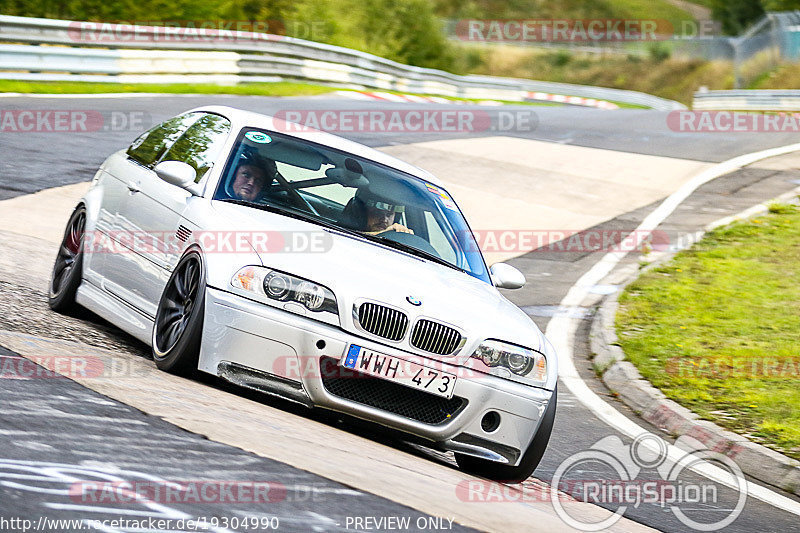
pixel 99 241
pixel 112 240
pixel 124 178
pixel 154 211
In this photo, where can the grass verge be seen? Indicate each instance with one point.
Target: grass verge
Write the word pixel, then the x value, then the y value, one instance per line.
pixel 668 77
pixel 263 89
pixel 258 89
pixel 717 329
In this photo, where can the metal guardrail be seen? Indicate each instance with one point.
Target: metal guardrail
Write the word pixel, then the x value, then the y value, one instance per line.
pixel 47 49
pixel 748 100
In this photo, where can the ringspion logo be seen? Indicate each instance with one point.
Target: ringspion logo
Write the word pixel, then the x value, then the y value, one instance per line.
pixel 623 478
pixel 644 472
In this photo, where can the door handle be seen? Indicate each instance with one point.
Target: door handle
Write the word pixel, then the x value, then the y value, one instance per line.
pixel 134 187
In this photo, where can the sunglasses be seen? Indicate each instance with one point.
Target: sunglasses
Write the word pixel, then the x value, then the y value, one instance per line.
pixel 383 206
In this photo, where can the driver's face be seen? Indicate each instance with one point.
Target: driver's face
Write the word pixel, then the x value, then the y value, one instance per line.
pixel 248 182
pixel 378 219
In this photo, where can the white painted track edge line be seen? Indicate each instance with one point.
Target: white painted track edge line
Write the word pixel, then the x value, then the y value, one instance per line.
pixel 561 329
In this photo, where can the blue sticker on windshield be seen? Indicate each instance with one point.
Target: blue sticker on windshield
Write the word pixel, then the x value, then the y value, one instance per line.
pixel 258 137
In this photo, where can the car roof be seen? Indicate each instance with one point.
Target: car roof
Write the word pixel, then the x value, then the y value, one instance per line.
pixel 242 119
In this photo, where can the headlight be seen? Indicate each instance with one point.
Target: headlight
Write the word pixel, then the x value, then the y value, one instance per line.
pixel 280 287
pixel 277 286
pixel 311 295
pixel 512 362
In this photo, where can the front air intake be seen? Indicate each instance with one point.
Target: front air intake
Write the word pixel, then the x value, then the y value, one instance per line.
pixel 382 321
pixel 435 338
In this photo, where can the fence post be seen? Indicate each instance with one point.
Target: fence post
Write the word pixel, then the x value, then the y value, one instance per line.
pixel 737 62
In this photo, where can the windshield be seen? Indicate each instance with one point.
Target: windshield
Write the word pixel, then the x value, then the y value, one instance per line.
pixel 343 191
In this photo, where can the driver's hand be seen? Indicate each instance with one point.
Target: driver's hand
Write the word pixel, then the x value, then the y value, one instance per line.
pixel 400 228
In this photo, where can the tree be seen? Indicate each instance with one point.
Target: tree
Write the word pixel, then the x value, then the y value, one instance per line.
pixel 737 15
pixel 780 5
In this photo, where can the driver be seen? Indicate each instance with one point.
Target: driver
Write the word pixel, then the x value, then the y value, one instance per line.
pixel 379 215
pixel 249 182
pixel 380 219
pixel 251 179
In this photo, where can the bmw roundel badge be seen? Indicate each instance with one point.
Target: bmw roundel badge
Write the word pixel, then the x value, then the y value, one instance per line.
pixel 413 301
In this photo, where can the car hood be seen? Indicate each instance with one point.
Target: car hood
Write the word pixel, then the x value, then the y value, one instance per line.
pixel 356 269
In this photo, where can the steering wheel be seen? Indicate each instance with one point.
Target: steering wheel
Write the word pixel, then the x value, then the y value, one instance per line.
pixel 298 198
pixel 409 239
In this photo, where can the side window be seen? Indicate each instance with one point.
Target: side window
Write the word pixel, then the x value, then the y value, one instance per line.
pixel 147 149
pixel 200 146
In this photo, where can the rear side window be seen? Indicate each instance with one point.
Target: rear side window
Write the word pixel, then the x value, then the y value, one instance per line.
pixel 201 145
pixel 150 145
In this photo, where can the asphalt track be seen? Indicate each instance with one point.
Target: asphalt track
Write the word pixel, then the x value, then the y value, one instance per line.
pixel 34 161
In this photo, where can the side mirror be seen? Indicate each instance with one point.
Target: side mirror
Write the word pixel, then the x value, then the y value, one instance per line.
pixel 505 276
pixel 176 173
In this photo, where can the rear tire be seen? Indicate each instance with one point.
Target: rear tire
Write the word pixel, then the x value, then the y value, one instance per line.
pixel 178 327
pixel 530 459
pixel 68 268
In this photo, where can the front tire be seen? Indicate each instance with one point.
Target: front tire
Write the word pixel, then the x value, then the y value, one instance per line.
pixel 68 267
pixel 530 459
pixel 178 326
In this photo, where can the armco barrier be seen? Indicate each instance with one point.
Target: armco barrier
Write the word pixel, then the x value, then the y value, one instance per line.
pixel 47 49
pixel 748 100
pixel 90 61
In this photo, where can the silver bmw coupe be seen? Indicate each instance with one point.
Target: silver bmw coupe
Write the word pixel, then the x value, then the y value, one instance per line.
pixel 307 266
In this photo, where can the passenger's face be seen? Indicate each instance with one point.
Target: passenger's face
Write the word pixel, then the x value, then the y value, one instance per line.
pixel 248 182
pixel 378 219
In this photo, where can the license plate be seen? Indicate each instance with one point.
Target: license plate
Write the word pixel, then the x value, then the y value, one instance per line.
pixel 400 371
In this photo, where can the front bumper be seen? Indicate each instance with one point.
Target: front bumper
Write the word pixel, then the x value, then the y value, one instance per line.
pixel 279 352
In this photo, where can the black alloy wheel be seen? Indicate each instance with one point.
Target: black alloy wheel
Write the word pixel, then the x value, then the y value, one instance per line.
pixel 179 319
pixel 68 267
